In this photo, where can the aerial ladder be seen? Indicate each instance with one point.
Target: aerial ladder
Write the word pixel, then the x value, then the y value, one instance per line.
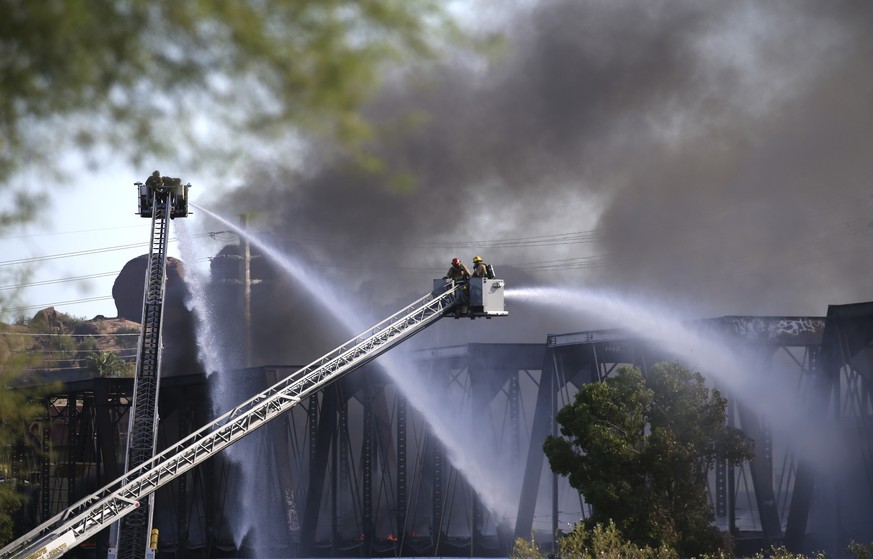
pixel 475 298
pixel 161 199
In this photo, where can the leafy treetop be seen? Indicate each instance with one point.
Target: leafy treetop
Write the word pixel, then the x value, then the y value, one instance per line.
pixel 140 75
pixel 639 450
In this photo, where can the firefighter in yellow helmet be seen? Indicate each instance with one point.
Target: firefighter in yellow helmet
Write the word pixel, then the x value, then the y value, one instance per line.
pixel 480 270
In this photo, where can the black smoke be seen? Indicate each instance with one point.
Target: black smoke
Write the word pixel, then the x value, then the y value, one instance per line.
pixel 717 156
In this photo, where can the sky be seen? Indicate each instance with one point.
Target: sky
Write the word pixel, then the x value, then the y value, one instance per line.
pixel 81 239
pixel 712 157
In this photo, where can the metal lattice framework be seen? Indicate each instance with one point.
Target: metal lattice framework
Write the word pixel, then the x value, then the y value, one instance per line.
pixel 412 497
pixel 134 529
pixel 773 499
pixel 114 502
pixel 778 498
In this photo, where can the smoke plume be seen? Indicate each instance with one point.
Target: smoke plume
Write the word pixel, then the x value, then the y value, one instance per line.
pixel 710 157
pixel 714 157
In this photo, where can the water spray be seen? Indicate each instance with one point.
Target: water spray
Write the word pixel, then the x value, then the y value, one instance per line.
pixel 707 352
pixel 494 493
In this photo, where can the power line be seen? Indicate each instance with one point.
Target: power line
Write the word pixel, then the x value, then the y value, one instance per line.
pixel 41 370
pixel 96 350
pixel 591 261
pixel 559 239
pixel 50 234
pixel 107 335
pixel 575 237
pixel 523 242
pixel 70 254
pixel 86 252
pixel 59 303
pixel 60 280
pixel 578 263
pixel 124 358
pixel 520 242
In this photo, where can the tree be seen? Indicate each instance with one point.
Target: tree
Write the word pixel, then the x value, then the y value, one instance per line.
pixel 105 364
pixel 639 450
pixel 18 406
pixel 142 76
pixel 601 542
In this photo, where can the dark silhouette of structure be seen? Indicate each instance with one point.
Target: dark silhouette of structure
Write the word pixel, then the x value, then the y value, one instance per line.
pixel 358 470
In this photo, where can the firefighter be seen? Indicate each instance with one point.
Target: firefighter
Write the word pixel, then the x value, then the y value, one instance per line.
pixel 458 271
pixel 480 269
pixel 155 179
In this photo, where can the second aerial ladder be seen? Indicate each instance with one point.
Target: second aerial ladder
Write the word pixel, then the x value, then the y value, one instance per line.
pixel 161 199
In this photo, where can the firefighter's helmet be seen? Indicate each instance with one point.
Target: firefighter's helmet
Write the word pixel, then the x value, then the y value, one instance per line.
pixel 456 261
pixel 477 259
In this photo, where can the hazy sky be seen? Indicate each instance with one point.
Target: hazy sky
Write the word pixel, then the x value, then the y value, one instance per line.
pixel 712 156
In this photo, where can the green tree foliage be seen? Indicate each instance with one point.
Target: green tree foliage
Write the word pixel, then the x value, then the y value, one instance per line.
pixel 18 406
pixel 141 75
pixel 525 549
pixel 606 542
pixel 21 348
pixel 639 450
pixel 861 551
pixel 10 502
pixel 105 364
pixel 603 541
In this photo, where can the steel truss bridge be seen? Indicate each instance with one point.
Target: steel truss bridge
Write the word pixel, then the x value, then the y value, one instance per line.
pixel 357 470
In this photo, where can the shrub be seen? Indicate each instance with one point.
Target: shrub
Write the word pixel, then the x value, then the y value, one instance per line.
pixel 601 542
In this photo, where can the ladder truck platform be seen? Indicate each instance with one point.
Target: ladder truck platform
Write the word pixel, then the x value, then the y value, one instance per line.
pixel 474 298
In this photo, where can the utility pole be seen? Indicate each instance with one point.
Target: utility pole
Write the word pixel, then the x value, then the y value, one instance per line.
pixel 247 288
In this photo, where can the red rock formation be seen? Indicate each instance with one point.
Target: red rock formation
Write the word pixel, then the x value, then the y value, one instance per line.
pixel 178 334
